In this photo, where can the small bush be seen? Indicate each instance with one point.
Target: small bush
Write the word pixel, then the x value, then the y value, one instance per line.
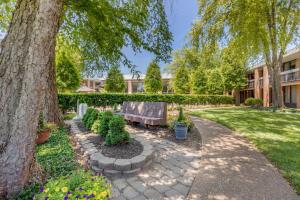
pixel 254 102
pixel 181 115
pixel 92 118
pixel 181 119
pixel 79 185
pixel 97 122
pixel 103 127
pixel 87 115
pixel 116 133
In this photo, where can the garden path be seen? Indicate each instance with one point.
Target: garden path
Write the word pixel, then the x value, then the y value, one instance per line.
pixel 170 176
pixel 233 169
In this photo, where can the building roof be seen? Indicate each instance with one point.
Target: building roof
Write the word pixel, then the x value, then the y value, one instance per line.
pixel 85 89
pixel 290 55
pixel 131 77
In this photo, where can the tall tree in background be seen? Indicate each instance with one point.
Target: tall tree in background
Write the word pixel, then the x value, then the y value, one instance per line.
pixel 67 74
pixel 259 28
pixel 215 84
pixel 114 81
pixel 233 70
pixel 153 81
pixel 199 80
pixel 181 81
pixel 27 52
pixel 100 28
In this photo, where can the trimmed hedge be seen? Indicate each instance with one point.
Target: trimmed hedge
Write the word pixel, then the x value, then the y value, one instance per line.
pixel 69 101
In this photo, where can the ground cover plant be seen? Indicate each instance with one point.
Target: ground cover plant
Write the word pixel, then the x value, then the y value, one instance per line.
pixel 79 185
pixel 57 159
pixel 276 134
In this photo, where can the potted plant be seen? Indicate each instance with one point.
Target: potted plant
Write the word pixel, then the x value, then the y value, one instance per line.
pixel 44 130
pixel 180 126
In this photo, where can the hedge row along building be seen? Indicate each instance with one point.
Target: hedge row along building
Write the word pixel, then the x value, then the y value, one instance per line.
pixel 259 81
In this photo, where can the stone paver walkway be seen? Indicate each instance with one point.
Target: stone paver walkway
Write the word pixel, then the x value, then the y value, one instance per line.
pixel 233 169
pixel 170 176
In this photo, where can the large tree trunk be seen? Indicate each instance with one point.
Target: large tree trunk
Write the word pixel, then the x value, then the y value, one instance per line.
pixel 277 98
pixel 51 109
pixel 27 52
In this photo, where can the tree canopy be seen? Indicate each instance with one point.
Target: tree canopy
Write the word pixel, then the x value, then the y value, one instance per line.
pixel 67 74
pixel 258 28
pixel 153 81
pixel 102 28
pixel 114 81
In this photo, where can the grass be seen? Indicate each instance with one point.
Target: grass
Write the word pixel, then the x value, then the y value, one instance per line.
pixel 277 135
pixel 69 116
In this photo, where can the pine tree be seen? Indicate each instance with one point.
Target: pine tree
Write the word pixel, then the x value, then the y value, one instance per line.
pixel 115 80
pixel 199 81
pixel 182 81
pixel 153 81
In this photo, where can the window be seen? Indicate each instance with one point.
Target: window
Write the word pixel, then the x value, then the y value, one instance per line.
pixel 289 65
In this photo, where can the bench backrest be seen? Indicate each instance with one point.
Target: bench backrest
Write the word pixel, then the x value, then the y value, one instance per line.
pixel 148 109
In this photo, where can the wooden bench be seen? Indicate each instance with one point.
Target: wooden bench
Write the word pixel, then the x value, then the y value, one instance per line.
pixel 147 113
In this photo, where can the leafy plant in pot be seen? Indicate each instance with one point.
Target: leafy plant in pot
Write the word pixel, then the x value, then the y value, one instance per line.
pixel 44 130
pixel 181 127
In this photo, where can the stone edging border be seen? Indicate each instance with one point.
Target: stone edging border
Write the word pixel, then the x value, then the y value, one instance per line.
pixel 112 166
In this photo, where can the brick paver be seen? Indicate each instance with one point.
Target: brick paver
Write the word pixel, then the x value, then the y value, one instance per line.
pixel 169 177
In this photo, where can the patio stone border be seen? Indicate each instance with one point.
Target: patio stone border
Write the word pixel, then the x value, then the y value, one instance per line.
pixel 111 166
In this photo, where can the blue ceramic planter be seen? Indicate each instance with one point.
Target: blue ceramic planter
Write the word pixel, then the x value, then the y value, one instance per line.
pixel 181 131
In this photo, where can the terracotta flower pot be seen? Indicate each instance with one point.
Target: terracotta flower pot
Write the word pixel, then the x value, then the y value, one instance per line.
pixel 42 136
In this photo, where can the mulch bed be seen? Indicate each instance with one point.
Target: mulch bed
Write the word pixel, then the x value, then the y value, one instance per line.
pixel 193 140
pixel 121 151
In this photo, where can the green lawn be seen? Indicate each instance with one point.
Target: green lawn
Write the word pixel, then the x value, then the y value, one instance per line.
pixel 277 135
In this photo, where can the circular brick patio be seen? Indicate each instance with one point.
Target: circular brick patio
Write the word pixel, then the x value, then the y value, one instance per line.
pixel 170 176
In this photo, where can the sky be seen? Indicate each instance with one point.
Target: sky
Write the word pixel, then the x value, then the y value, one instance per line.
pixel 181 14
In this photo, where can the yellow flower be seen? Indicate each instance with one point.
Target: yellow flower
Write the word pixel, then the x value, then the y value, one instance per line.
pixel 64 189
pixel 103 194
pixel 47 190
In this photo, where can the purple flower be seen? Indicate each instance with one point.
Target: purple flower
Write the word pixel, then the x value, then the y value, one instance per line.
pixel 46 198
pixel 69 193
pixel 41 189
pixel 77 196
pixel 66 197
pixel 84 196
pixel 80 189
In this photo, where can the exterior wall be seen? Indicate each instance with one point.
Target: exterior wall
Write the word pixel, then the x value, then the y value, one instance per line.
pixel 298 95
pixel 262 87
pixel 256 84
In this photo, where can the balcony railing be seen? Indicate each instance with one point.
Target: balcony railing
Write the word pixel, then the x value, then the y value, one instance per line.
pixel 290 75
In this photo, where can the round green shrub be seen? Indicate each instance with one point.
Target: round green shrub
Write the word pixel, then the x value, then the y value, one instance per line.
pixel 116 133
pixel 103 127
pixel 254 102
pixel 92 118
pixel 87 115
